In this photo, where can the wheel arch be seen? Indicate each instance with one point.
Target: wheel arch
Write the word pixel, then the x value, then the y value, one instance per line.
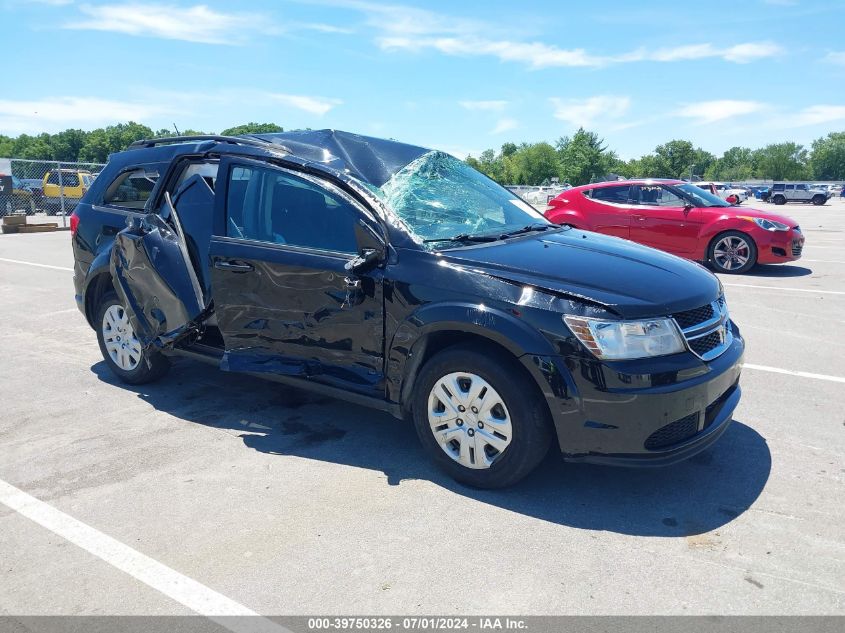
pixel 98 282
pixel 565 215
pixel 436 328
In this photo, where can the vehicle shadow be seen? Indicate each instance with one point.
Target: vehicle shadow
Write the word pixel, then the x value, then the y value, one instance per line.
pixel 778 270
pixel 686 499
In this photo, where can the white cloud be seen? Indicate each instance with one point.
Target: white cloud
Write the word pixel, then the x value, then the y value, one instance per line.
pixel 313 105
pixel 704 112
pixel 487 106
pixel 816 114
pixel 413 29
pixel 198 23
pixel 504 125
pixel 584 112
pixel 53 114
pixel 836 57
pixel 752 51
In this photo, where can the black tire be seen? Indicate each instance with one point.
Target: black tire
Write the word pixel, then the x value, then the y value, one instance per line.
pixel 718 267
pixel 819 200
pixel 152 365
pixel 529 416
pixel 779 199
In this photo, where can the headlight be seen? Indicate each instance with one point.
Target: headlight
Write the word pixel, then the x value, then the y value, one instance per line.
pixel 616 340
pixel 769 225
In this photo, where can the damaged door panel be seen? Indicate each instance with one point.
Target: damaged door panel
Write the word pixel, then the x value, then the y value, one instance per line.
pixel 155 279
pixel 286 303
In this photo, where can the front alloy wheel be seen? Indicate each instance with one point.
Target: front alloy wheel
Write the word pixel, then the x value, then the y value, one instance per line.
pixel 733 252
pixel 469 419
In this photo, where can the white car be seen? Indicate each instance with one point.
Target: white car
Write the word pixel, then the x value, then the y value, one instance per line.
pixel 724 191
pixel 543 195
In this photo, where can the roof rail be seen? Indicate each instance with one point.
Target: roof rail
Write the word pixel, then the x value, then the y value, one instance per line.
pixel 169 140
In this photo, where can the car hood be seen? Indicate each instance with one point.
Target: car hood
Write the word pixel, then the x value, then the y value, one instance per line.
pixel 629 279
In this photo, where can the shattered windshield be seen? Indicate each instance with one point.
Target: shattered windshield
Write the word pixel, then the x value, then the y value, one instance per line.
pixel 443 199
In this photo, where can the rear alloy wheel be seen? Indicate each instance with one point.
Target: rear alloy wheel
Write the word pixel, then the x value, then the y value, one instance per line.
pixel 479 417
pixel 733 252
pixel 819 200
pixel 121 349
pixel 779 200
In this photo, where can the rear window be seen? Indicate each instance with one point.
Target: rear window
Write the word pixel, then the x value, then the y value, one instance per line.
pixel 131 189
pixel 68 179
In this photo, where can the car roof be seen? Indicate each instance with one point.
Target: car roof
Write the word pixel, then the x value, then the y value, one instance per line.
pixel 633 181
pixel 369 159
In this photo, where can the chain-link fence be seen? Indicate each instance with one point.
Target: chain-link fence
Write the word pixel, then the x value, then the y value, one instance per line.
pixel 44 186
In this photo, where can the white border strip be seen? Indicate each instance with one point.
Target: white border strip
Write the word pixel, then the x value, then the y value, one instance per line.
pixel 17 261
pixel 171 583
pixel 788 372
pixel 823 292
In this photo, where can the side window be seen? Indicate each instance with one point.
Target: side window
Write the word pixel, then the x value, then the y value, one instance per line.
pixel 272 206
pixel 777 188
pixel 790 187
pixel 617 194
pixel 668 198
pixel 131 189
pixel 657 196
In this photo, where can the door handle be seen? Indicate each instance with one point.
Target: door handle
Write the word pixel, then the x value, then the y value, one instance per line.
pixel 640 218
pixel 222 264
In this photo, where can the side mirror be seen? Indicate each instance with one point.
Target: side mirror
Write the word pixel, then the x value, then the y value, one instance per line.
pixel 368 259
pixel 689 206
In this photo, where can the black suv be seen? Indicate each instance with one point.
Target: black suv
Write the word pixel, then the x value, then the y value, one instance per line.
pixel 400 278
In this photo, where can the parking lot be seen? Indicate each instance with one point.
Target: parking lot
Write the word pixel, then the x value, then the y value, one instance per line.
pixel 286 503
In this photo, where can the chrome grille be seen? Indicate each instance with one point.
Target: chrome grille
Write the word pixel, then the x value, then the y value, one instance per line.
pixel 706 329
pixel 797 247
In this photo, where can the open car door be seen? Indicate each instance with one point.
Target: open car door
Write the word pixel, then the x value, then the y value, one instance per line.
pixel 156 280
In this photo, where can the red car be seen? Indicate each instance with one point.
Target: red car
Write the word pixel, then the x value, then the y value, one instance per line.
pixel 682 219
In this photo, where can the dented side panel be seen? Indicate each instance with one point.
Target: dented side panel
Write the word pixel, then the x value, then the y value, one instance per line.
pixel 299 314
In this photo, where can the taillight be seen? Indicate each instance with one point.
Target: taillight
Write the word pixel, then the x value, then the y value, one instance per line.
pixel 74 223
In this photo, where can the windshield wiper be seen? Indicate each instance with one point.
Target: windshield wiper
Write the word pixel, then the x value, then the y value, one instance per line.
pixel 528 229
pixel 464 237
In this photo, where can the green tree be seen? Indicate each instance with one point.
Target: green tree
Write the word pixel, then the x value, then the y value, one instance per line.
pixel 827 158
pixel 584 157
pixel 114 138
pixel 737 163
pixel 674 159
pixel 252 128
pixel 531 164
pixel 782 161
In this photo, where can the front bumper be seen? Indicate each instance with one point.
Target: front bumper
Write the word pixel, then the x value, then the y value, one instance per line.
pixel 777 247
pixel 647 412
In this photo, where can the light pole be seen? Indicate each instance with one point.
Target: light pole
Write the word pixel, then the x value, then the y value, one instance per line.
pixel 691 167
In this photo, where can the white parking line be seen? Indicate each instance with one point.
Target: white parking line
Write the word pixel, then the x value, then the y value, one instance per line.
pixel 18 261
pixel 171 583
pixel 823 261
pixel 802 374
pixel 824 292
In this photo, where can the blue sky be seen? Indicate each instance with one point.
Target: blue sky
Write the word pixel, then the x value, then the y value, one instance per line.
pixel 459 76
